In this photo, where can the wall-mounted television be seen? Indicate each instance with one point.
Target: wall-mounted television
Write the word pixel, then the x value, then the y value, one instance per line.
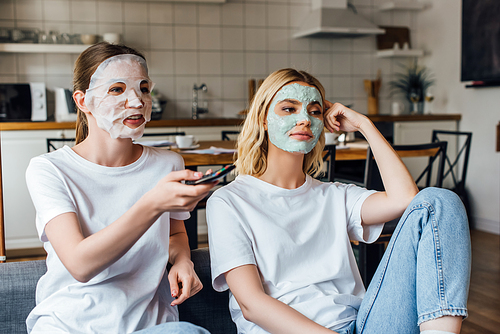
pixel 481 42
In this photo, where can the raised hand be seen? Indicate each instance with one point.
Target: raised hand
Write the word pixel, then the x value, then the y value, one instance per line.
pixel 338 117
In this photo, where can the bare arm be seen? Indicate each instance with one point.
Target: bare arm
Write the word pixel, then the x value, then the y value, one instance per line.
pixel 398 183
pixel 263 310
pixel 184 282
pixel 85 257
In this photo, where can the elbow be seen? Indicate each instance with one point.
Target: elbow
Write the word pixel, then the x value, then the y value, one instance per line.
pixel 405 201
pixel 248 312
pixel 81 275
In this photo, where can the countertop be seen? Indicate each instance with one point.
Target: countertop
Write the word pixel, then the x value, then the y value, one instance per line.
pixel 167 123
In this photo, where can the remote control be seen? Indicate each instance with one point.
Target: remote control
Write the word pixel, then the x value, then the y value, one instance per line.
pixel 214 176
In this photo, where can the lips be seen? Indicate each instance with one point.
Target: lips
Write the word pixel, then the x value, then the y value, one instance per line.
pixel 301 135
pixel 134 121
pixel 134 117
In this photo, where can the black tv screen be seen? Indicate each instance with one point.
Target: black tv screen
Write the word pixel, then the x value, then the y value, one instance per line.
pixel 481 41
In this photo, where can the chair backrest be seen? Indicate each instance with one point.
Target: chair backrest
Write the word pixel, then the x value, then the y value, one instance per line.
pixel 462 141
pixel 225 134
pixel 329 159
pixel 434 151
pixel 55 143
pixel 328 174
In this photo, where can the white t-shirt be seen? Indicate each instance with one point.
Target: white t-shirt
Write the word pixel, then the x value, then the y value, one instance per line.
pixel 298 239
pixel 124 297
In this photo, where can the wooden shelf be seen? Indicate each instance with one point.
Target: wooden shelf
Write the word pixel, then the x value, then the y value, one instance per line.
pixel 392 53
pixel 400 5
pixel 42 48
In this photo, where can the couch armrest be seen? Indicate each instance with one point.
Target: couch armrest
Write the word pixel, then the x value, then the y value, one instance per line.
pixel 17 293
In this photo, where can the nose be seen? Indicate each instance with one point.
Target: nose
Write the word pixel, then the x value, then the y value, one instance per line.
pixel 133 100
pixel 304 122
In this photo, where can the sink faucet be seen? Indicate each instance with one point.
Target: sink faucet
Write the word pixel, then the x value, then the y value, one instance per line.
pixel 200 104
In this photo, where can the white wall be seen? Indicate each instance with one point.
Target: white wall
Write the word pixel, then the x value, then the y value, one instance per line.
pixel 439 31
pixel 222 45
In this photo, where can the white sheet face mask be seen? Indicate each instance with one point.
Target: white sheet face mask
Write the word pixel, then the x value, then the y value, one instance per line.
pixel 118 81
pixel 280 127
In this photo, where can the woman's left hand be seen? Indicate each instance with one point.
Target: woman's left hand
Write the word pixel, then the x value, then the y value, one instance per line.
pixel 184 282
pixel 338 117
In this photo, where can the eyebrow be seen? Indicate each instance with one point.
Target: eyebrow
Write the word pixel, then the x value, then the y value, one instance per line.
pixel 315 102
pixel 290 101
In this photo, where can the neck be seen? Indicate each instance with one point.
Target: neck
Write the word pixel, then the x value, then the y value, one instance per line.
pixel 284 169
pixel 101 149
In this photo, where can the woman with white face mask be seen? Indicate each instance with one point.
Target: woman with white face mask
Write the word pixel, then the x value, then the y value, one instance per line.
pixel 280 240
pixel 110 212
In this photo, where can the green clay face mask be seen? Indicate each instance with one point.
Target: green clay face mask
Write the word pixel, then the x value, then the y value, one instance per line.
pixel 280 127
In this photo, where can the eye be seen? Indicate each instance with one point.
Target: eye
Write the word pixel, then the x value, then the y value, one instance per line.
pixel 117 88
pixel 290 110
pixel 145 87
pixel 315 112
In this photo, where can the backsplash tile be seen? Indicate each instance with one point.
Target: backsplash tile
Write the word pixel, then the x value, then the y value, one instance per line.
pixel 222 45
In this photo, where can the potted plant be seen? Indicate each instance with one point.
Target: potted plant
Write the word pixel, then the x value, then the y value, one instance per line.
pixel 413 82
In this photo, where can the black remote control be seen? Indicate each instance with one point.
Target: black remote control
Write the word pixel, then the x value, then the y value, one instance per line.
pixel 214 176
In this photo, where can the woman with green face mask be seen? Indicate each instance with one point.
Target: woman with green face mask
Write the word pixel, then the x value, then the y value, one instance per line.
pixel 280 240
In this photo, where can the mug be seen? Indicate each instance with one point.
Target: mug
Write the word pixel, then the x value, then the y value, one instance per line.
pixel 397 108
pixel 111 37
pixel 331 138
pixel 184 141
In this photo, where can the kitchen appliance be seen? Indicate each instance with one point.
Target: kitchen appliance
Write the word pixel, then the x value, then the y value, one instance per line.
pixel 335 19
pixel 65 105
pixel 23 102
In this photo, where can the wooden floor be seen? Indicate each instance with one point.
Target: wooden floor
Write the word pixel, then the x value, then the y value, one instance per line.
pixel 484 294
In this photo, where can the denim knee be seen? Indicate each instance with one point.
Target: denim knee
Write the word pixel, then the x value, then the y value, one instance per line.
pixel 442 201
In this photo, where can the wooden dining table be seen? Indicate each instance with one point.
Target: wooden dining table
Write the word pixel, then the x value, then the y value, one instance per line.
pixel 356 152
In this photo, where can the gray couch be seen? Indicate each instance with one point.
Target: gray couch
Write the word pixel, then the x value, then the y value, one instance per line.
pixel 208 309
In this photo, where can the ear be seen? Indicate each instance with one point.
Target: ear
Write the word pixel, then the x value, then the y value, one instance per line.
pixel 79 98
pixel 265 126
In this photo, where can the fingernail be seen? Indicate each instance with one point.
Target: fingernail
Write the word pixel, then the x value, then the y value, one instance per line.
pixel 198 174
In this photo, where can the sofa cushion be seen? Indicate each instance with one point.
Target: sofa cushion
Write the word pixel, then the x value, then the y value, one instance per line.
pixel 208 308
pixel 17 293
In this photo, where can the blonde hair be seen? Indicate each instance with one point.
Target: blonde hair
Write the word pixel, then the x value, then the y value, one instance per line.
pixel 253 140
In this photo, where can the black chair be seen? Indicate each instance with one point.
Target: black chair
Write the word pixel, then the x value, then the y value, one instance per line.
pixel 369 255
pixel 52 146
pixel 452 178
pixel 225 134
pixel 329 159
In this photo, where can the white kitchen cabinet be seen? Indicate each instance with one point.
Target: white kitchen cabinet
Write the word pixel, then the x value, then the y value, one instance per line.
pixel 409 133
pixel 18 147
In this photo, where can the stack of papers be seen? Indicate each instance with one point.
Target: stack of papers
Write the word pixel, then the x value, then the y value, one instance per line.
pixel 212 150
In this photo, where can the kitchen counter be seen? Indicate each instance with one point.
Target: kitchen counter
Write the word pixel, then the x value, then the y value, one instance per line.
pixel 415 118
pixel 11 126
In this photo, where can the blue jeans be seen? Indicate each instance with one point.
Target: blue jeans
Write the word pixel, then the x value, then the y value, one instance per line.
pixel 174 328
pixel 425 271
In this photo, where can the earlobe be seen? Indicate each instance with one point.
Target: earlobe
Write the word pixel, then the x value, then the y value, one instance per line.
pixel 79 98
pixel 265 126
